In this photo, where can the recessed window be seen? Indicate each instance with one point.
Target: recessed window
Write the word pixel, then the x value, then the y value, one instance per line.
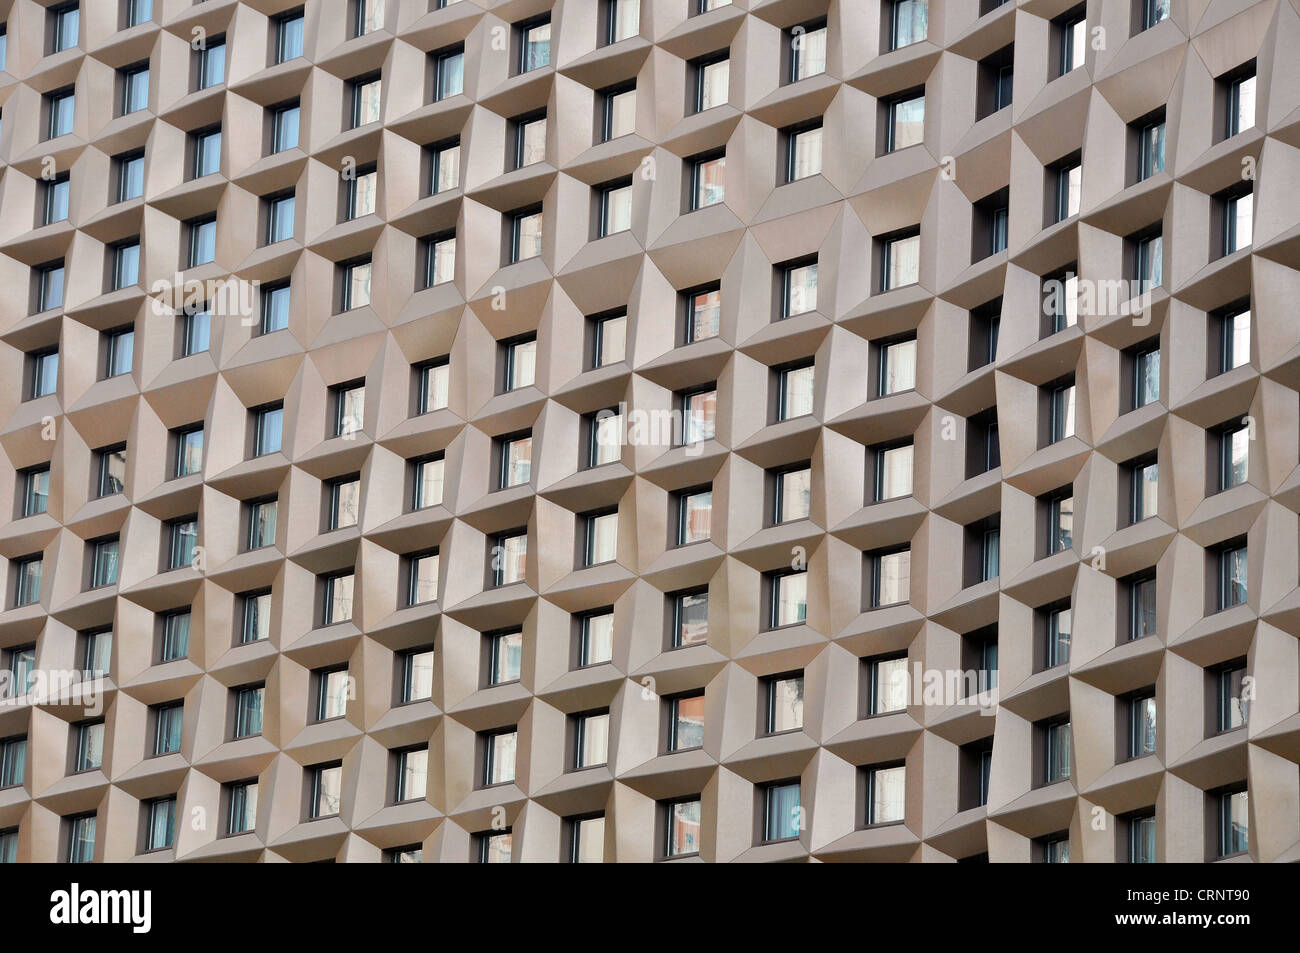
pixel 279 218
pixel 449 74
pixel 1238 210
pixel 338 598
pixel 888 685
pixel 600 538
pixel 207 152
pixel 530 141
pixel 494 848
pixel 326 791
pixel 275 308
pixel 369 17
pixel 1067 189
pixel 1153 12
pixel 1060 409
pixel 591 740
pixel 1233 456
pixel 1141 723
pixel 89 752
pixel 417 675
pixel 1231 702
pixel 1141 591
pixel 1057 754
pixel 55 205
pixel 686 722
pixel 782 814
pixel 126 265
pixel 189 452
pixel 505 657
pixel 711 78
pixel 255 617
pixel 96 652
pixel 807 51
pixel 509 558
pixel 909 22
pixel 516 461
pixel 1233 817
pixel 344 503
pixel 989 221
pixel 183 537
pixel 499 751
pixel 439 260
pixel 703 314
pixel 596 638
pixel 1146 376
pixel 355 283
pixel 242 810
pixel 526 235
pixel 983 444
pixel 412 774
pixel 1151 149
pixel 682 818
pixel 901 261
pixel 20 661
pixel 1060 521
pixel 890 577
pixel 202 248
pixel 789 597
pixel 332 689
pixel 44 373
pixel 1232 575
pixel 248 711
pixel 892 472
pixel 103 562
pixel 983 550
pixel 1071 36
pixel 783 699
pixel 618 113
pixel 897 367
pixel 81 838
pixel 689 618
pixel 349 409
pixel 534 46
pixel 130 176
pixel 444 167
pixel 586 840
pixel 795 388
pixel 175 642
pixel 13 762
pixel 211 65
pixel 1058 627
pixel 615 208
pixel 434 387
pixel 609 340
pixel 366 95
pixel 35 484
pixel 622 20
pixel 1241 103
pixel 167 728
pixel 1234 340
pixel 792 499
pixel 62 107
pixel 886 787
pixel 798 288
pixel 49 293
pixel 1149 264
pixel 160 823
pixel 708 181
pixel 285 122
pixel 65 25
pixel 111 471
pixel 428 483
pixel 699 416
pixel 27 588
pixel 288 37
pixel 261 523
pixel 803 156
pixel 268 430
pixel 994 82
pixel 694 516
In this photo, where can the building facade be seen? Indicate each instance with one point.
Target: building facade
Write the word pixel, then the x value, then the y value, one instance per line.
pixel 572 430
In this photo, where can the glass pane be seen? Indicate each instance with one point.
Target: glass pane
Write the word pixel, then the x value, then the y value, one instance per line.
pixel 507 657
pixel 1144 609
pixel 594 741
pixel 429 483
pixel 785 701
pixel 1063 524
pixel 618 210
pixel 1148 378
pixel 911 22
pixel 1244 104
pixel 286 128
pixel 801 289
pixel 451 75
pixel 894 579
pixel 513 559
pixel 589 841
pixel 1238 351
pixel 290 46
pixel 692 623
pixel 602 539
pixel 529 233
pixel 795 501
pixel 597 638
pixel 684 828
pixel 688 723
pixel 1236 823
pixel 791 598
pixel 532 142
pixel 798 392
pixel 806 153
pixel 621 114
pixel 415 768
pixel 889 686
pixel 887 788
pixel 329 788
pixel 447 169
pixel 537 47
pixel 502 749
pixel 710 182
pixel 340 599
pixel 497 848
pixel 333 694
pixel 898 367
pixel 523 364
pixel 437 384
pixel 697 513
pixel 706 312
pixel 784 817
pixel 701 416
pixel 347 503
pixel 518 461
pixel 613 341
pixel 810 54
pixel 904 261
pixel 908 123
pixel 895 472
pixel 419 676
pixel 713 80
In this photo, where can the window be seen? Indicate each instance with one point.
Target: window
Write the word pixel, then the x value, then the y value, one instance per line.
pixel 795 392
pixel 13 761
pixel 789 595
pixel 326 791
pixel 89 752
pixel 344 503
pixel 366 94
pixel 1146 376
pixel 288 37
pixel 622 20
pixel 55 205
pixel 126 265
pixel 1232 575
pixel 35 490
pixel 275 309
pixel 1058 628
pixel 798 288
pixel 422 578
pixel 902 261
pixel 1061 300
pixel 248 711
pixel 279 218
pixel 885 794
pixel 989 218
pixel 994 81
pixel 704 6
pixel 1234 343
pixel 195 331
pixel 1232 704
pixel 1149 267
pixel 268 430
pixel 615 209
pixel 707 186
pixel 21 664
pixel 803 152
pixel 499 757
pixel 509 558
pixel 591 740
pixel 699 416
pixel 49 287
pixel 909 22
pixel 1072 35
pixel 182 536
pixel 448 74
pixel 897 367
pixel 135 12
pixel 586 840
pixel 202 241
pixel 689 618
pixel 284 127
pixel 435 386
pixel 111 470
pixel 27 580
pixel 412 774
pixel 1238 215
pixel 1153 11
pixel 369 17
pixel 782 815
pixel 526 235
pixel 1241 103
pixel 985 541
pixel 62 108
pixel 618 113
pixel 703 313
pixel 9 837
pixel 135 89
pixel 81 839
pixel 534 45
pixel 65 22
pixel 1234 455
pixel 1233 822
pixel 333 689
pixel 130 176
pixel 890 578
pixel 96 653
pixel 1056 849
pixel 243 808
pixel 711 80
pixel 516 461
pixel 807 51
pixel 417 675
pixel 682 819
pixel 887 688
pixel 609 339
pixel 983 447
pixel 1142 723
pixel 1060 521
pixel 207 152
pixel 893 472
pixel 505 657
pixel 189 452
pixel 600 538
pixel 338 598
pixel 686 722
pixel 211 64
pixel 694 516
pixel 1061 412
pixel 175 642
pixel 44 373
pixel 1151 148
pixel 439 260
pixel 1141 606
pixel 595 637
pixel 349 409
pixel 255 624
pixel 495 848
pixel 975 770
pixel 792 499
pixel 530 140
pixel 261 523
pixel 1067 190
pixel 1142 838
pixel 355 283
pixel 1056 751
pixel 428 483
pixel 783 696
pixel 167 728
pixel 103 562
